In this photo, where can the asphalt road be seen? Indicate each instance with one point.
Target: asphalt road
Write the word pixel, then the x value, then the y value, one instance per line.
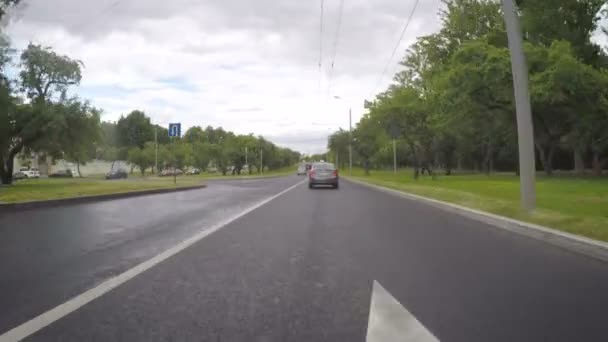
pixel 299 268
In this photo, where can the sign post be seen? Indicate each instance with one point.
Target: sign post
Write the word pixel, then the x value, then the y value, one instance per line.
pixel 175 131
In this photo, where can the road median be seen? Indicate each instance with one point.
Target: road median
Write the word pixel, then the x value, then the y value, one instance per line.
pixel 47 193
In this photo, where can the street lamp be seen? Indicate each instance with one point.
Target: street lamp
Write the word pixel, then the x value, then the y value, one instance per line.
pixel 350 138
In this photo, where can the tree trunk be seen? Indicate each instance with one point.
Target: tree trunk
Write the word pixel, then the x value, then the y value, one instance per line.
pixel 78 169
pixel 6 169
pixel 579 162
pixel 598 164
pixel 488 160
pixel 546 158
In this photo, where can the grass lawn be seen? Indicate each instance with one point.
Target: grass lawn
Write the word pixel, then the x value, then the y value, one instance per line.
pixel 54 188
pixel 577 205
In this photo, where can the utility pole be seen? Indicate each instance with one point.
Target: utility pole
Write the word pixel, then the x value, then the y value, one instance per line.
pixel 525 132
pixel 156 149
pixel 394 156
pixel 350 142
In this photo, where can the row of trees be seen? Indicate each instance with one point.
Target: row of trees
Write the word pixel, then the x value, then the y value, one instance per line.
pixel 133 138
pixel 452 104
pixel 38 116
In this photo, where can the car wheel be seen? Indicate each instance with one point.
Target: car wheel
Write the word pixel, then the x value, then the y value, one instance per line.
pixel 337 186
pixel 310 186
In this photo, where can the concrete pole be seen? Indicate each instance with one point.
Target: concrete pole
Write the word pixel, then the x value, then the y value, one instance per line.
pixel 525 131
pixel 350 142
pixel 394 156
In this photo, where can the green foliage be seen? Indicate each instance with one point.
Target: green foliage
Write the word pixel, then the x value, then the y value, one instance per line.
pixel 453 106
pixel 44 72
pixel 134 130
pixel 37 125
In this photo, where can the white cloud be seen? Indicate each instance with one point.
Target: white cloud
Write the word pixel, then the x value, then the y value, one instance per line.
pixel 249 66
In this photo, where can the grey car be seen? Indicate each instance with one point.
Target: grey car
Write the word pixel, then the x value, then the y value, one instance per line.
pixel 323 174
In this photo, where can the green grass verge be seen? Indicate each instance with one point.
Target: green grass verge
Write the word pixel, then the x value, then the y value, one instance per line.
pixel 56 188
pixel 577 205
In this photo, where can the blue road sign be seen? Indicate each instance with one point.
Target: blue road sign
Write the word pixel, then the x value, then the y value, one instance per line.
pixel 175 129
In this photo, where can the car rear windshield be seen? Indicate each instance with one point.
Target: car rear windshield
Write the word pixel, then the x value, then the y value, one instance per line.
pixel 325 166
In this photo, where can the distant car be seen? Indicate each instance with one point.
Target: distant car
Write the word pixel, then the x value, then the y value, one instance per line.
pixel 193 171
pixel 62 174
pixel 302 170
pixel 323 174
pixel 26 172
pixel 212 170
pixel 117 174
pixel 171 172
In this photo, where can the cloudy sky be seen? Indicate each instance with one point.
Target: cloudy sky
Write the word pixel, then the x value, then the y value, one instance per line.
pixel 250 66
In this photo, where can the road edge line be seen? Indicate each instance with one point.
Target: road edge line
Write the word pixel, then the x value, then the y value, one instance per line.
pixel 45 319
pixel 575 243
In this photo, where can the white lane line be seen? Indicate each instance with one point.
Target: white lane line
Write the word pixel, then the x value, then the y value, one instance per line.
pixel 389 321
pixel 28 328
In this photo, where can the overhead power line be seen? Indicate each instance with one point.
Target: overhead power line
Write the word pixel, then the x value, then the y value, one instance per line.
pixel 335 47
pixel 321 47
pixel 407 24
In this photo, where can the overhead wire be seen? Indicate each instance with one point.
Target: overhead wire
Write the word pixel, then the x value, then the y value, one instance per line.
pixel 407 24
pixel 335 47
pixel 320 49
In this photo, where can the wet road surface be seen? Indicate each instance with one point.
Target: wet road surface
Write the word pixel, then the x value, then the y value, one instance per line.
pixel 299 268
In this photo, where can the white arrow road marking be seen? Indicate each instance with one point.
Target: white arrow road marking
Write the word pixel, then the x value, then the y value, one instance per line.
pixel 389 321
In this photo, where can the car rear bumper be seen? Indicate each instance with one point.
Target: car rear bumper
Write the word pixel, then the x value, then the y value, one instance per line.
pixel 324 181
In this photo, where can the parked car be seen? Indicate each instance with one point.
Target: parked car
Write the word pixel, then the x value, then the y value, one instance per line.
pixel 62 174
pixel 171 172
pixel 212 170
pixel 26 172
pixel 117 174
pixel 193 171
pixel 323 174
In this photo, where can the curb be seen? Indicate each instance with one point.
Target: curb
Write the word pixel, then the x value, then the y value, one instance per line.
pixel 579 244
pixel 12 207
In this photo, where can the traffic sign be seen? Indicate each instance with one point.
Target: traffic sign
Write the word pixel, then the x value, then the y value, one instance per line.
pixel 175 129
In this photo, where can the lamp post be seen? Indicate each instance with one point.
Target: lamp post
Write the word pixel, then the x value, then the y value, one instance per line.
pixel 525 132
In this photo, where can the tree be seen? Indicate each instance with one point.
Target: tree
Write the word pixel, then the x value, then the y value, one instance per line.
pixel 5 5
pixel 135 129
pixel 338 145
pixel 44 73
pixel 143 158
pixel 80 131
pixel 31 125
pixel 201 155
pixel 195 134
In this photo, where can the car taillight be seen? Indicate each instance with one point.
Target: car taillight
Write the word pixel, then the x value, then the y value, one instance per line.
pixel 311 173
pixel 335 173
